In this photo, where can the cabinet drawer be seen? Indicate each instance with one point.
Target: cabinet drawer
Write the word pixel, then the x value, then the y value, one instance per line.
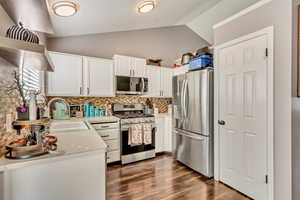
pixel 106 126
pixel 109 134
pixel 112 145
pixel 113 156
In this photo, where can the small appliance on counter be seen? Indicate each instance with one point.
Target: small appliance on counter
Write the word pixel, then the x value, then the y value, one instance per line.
pixel 149 108
pixel 59 109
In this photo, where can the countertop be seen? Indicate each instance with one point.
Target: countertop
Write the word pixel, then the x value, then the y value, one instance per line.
pixel 71 143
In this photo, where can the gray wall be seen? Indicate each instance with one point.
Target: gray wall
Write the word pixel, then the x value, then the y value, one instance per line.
pixel 279 14
pixel 296 109
pixel 168 43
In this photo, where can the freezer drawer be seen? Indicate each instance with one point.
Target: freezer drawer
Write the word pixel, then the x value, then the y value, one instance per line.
pixel 193 150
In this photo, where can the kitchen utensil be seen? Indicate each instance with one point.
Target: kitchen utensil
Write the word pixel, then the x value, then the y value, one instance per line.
pixel 186 58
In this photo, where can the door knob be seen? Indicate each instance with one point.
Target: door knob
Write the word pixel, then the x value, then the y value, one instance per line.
pixel 221 122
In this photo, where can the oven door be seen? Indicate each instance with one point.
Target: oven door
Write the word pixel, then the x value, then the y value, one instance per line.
pixel 127 149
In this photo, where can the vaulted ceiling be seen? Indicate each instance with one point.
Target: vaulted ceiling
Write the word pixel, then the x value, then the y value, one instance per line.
pixel 102 16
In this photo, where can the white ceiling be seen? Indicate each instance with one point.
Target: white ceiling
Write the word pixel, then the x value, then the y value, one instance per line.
pixel 102 16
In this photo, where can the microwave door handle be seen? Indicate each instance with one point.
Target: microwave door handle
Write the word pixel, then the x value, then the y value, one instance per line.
pixel 143 88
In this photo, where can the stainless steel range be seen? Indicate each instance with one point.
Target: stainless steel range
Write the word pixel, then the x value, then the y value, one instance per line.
pixel 130 115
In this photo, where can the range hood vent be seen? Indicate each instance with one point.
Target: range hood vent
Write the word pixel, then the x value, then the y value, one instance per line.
pixel 21 53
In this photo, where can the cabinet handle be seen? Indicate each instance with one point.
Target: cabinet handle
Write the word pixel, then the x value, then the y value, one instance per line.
pixel 88 90
pixel 80 90
pixel 133 72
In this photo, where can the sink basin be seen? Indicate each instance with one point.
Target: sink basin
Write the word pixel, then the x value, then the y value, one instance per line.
pixel 68 126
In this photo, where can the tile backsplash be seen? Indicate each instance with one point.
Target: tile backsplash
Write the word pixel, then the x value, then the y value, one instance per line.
pixel 100 102
pixel 8 104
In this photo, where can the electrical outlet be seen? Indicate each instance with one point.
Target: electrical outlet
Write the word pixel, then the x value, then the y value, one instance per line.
pixel 9 122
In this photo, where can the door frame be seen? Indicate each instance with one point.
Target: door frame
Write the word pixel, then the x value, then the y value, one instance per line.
pixel 269 32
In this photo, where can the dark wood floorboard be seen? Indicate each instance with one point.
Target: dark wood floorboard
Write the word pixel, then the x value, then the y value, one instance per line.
pixel 162 178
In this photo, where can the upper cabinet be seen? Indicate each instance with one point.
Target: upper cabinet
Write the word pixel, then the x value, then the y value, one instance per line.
pixel 66 80
pixel 129 66
pixel 99 77
pixel 160 81
pixel 166 77
pixel 153 75
pixel 80 76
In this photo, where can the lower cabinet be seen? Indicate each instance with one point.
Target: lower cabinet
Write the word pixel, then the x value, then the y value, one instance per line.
pixel 110 133
pixel 163 137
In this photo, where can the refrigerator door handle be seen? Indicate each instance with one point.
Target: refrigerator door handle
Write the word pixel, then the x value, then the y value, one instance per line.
pixel 190 136
pixel 185 97
pixel 181 97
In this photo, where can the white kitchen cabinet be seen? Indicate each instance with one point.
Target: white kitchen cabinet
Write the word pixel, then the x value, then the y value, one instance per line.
pixel 98 77
pixel 80 76
pixel 153 75
pixel 166 77
pixel 168 134
pixel 138 67
pixel 122 65
pixel 129 66
pixel 163 138
pixel 159 135
pixel 160 82
pixel 66 80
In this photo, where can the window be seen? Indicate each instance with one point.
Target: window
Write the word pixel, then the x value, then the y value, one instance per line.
pixel 31 79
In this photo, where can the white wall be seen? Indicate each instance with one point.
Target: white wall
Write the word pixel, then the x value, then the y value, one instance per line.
pixel 296 108
pixel 203 24
pixel 279 14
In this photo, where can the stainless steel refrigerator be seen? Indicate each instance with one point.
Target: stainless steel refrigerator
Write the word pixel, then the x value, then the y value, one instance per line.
pixel 193 120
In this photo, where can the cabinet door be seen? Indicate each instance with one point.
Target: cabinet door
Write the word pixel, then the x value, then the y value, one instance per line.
pixel 159 135
pixel 99 77
pixel 66 80
pixel 166 82
pixel 168 134
pixel 153 74
pixel 122 65
pixel 138 67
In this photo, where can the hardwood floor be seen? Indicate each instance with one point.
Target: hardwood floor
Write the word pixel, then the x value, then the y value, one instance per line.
pixel 163 178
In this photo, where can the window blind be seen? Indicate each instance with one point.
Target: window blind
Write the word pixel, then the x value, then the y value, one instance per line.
pixel 31 79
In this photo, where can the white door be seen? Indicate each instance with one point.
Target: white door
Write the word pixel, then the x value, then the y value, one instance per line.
pixel 99 77
pixel 243 107
pixel 66 80
pixel 153 74
pixel 166 82
pixel 138 67
pixel 159 135
pixel 123 65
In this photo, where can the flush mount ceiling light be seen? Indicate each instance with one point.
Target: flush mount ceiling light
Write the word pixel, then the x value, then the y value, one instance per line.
pixel 65 8
pixel 146 6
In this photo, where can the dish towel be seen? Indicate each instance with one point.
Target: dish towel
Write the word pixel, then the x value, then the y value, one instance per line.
pixel 147 134
pixel 135 135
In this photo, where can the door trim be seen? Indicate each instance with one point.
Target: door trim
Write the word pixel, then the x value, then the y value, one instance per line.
pixel 269 32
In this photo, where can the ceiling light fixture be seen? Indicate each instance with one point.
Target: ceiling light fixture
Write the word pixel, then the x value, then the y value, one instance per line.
pixel 65 8
pixel 146 6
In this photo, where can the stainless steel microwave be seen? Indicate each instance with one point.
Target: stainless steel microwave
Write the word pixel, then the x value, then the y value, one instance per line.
pixel 131 85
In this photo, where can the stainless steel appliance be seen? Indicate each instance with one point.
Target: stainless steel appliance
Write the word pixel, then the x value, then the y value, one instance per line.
pixel 131 85
pixel 193 120
pixel 131 114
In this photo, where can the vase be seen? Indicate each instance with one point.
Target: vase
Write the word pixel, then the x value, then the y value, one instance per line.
pixel 23 113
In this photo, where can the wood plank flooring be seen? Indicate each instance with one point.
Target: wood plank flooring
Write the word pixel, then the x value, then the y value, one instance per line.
pixel 163 178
